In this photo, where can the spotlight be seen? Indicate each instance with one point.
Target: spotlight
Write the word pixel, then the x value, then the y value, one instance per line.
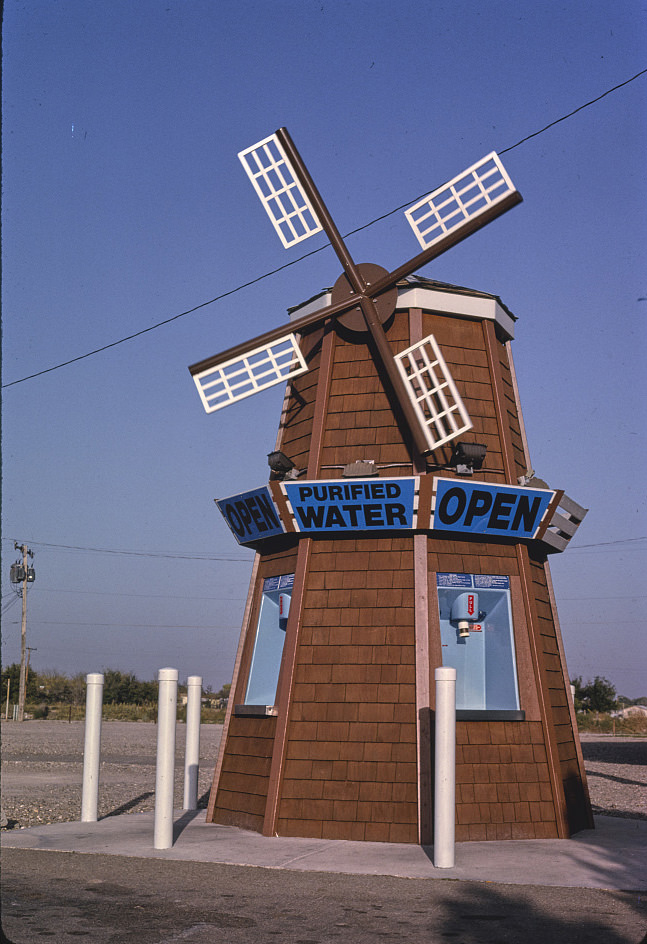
pixel 361 468
pixel 281 465
pixel 467 456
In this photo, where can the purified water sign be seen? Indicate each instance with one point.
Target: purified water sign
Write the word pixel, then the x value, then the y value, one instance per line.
pixel 381 504
pixel 353 505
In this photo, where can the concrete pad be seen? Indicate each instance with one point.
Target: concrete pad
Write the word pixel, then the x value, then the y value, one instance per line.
pixel 612 856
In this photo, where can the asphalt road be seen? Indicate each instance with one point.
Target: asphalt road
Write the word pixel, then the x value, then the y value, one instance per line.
pixel 123 900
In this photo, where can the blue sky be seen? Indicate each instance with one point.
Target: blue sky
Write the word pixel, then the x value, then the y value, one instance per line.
pixel 124 205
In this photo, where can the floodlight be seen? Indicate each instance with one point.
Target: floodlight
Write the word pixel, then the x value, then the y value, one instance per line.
pixel 467 456
pixel 280 463
pixel 361 468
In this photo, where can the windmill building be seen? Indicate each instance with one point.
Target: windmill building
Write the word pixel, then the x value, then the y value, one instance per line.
pixel 402 529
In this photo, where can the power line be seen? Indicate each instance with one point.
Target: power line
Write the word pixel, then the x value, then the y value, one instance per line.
pixel 166 321
pixel 246 560
pixel 10 604
pixel 260 278
pixel 145 596
pixel 129 553
pixel 210 627
pixel 582 547
pixel 571 113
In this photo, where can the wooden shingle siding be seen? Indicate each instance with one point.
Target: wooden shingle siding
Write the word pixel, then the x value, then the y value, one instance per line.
pixel 502 782
pixel 351 756
pixel 242 791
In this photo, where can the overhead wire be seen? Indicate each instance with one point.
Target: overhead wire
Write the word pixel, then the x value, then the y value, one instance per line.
pixel 246 560
pixel 260 278
pixel 129 553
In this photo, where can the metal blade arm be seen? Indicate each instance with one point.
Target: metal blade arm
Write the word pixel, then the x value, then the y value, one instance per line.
pixel 451 239
pixel 296 327
pixel 366 302
pixel 321 210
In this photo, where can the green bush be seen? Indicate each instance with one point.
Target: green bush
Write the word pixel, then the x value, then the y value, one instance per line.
pixel 595 722
pixel 116 712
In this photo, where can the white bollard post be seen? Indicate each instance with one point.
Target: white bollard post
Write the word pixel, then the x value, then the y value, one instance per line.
pixel 445 769
pixel 165 769
pixel 192 750
pixel 92 747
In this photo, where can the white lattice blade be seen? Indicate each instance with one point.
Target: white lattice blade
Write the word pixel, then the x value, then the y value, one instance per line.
pixel 433 393
pixel 460 201
pixel 280 191
pixel 254 371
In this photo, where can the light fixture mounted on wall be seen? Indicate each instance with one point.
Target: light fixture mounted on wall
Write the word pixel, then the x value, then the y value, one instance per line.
pixel 282 466
pixel 466 457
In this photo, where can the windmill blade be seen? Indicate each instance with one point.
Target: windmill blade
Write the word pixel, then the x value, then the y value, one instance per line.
pixel 256 370
pixel 280 191
pixel 432 392
pixel 469 195
pixel 299 325
pixel 486 193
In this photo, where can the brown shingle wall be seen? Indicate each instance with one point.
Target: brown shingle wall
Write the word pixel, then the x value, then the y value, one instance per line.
pixel 243 784
pixel 350 770
pixel 359 419
pixel 242 791
pixel 502 782
pixel 511 410
pixel 472 557
pixel 503 788
pixel 461 343
pixel 296 422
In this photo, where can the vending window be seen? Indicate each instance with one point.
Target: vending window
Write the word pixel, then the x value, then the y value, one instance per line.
pixel 478 641
pixel 268 644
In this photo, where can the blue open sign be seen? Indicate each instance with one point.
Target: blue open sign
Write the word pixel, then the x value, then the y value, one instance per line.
pixel 251 516
pixel 481 508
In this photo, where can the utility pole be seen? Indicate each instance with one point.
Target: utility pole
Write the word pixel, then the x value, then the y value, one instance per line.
pixel 27 577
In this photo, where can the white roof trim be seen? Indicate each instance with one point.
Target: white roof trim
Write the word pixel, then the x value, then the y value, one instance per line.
pixel 429 299
pixel 314 304
pixel 454 303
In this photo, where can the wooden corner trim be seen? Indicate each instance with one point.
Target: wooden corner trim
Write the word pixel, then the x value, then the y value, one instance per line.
pixel 234 683
pixel 284 689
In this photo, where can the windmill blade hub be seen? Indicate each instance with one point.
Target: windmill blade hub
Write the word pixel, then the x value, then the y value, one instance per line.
pixel 353 320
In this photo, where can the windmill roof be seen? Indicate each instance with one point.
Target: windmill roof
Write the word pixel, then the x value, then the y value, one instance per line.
pixel 420 292
pixel 424 282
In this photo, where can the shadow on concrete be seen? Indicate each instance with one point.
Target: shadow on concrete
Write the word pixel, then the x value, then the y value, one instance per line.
pixel 181 824
pixel 203 801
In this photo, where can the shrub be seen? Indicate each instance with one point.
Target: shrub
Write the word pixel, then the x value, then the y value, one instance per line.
pixel 599 723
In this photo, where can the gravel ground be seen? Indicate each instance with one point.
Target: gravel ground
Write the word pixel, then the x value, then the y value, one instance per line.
pixel 616 771
pixel 42 770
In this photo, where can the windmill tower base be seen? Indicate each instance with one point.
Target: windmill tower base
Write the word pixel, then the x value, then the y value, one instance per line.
pixel 343 748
